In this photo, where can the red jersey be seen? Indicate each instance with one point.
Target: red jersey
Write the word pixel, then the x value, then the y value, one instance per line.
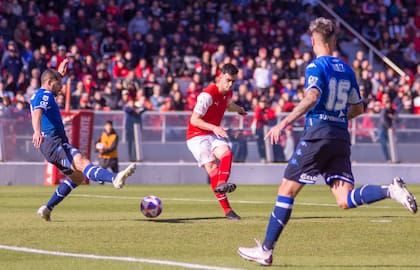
pixel 211 105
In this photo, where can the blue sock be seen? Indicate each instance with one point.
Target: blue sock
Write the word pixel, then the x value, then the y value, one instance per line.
pixel 366 194
pixel 97 173
pixel 278 220
pixel 60 193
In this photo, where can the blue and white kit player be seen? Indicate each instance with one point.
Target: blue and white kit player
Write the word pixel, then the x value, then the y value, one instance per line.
pixel 50 137
pixel 331 99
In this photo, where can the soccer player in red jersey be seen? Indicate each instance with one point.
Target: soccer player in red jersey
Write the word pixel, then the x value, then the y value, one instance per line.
pixel 207 140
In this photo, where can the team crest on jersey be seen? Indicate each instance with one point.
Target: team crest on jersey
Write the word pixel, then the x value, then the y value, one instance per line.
pixel 45 98
pixel 312 80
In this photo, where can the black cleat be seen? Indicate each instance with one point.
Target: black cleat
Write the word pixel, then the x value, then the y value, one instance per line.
pixel 231 215
pixel 225 188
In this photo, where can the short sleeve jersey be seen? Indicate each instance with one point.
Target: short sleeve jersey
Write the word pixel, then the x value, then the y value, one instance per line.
pixel 336 82
pixel 51 122
pixel 211 105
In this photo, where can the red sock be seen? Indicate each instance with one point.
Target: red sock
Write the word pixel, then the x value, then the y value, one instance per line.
pixel 224 167
pixel 222 198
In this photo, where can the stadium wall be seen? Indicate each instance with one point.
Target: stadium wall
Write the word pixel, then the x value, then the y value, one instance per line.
pixel 32 173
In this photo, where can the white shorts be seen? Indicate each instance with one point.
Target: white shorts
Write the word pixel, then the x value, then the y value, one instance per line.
pixel 202 147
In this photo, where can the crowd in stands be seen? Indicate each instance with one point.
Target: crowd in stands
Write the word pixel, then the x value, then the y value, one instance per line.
pixel 159 55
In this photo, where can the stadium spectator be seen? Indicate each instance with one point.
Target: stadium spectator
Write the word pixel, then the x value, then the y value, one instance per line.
pixel 6 107
pixel 133 114
pixel 190 61
pixel 264 116
pixel 5 29
pixel 204 67
pixel 386 122
pixel 178 101
pixel 262 77
pixel 105 29
pixel 138 24
pixel 157 99
pixel 370 32
pixel 111 97
pixel 120 71
pixel 97 23
pixel 107 147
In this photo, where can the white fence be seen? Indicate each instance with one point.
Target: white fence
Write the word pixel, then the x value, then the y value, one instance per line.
pixel 162 131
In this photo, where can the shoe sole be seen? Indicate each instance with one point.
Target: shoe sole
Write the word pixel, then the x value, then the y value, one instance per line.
pixel 252 259
pixel 225 188
pixel 412 204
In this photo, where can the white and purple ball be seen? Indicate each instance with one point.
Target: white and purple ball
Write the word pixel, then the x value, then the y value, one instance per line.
pixel 151 206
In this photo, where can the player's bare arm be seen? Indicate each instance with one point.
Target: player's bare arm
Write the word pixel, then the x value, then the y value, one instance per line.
pixel 197 120
pixel 37 137
pixel 310 99
pixel 355 110
pixel 62 68
pixel 232 107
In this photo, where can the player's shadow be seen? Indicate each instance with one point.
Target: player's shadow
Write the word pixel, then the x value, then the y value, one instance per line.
pixel 180 220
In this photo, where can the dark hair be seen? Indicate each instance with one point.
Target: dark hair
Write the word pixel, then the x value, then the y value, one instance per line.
pixel 108 122
pixel 323 26
pixel 229 69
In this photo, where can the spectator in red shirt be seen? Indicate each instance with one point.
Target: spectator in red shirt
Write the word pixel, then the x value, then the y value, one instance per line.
pixel 264 115
pixel 142 69
pixel 50 21
pixel 120 70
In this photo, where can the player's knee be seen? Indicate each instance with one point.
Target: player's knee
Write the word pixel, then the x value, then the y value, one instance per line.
pixel 342 203
pixel 80 162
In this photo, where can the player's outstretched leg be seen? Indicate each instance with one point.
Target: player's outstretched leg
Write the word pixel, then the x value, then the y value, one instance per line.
pixel 97 173
pixel 61 192
pixel 399 192
pixel 119 179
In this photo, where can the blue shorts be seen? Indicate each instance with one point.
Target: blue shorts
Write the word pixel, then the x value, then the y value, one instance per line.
pixel 329 158
pixel 59 152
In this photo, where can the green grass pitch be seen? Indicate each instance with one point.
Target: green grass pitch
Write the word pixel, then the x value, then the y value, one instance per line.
pixel 192 229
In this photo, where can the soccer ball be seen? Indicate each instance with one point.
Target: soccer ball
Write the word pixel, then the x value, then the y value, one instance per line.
pixel 151 206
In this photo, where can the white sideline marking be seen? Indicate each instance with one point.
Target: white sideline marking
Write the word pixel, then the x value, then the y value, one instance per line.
pixel 208 200
pixel 380 220
pixel 113 258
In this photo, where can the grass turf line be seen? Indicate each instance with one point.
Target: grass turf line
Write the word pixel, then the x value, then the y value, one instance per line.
pixel 190 231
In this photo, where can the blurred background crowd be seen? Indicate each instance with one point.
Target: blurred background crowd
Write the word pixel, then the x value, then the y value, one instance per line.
pixel 158 55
